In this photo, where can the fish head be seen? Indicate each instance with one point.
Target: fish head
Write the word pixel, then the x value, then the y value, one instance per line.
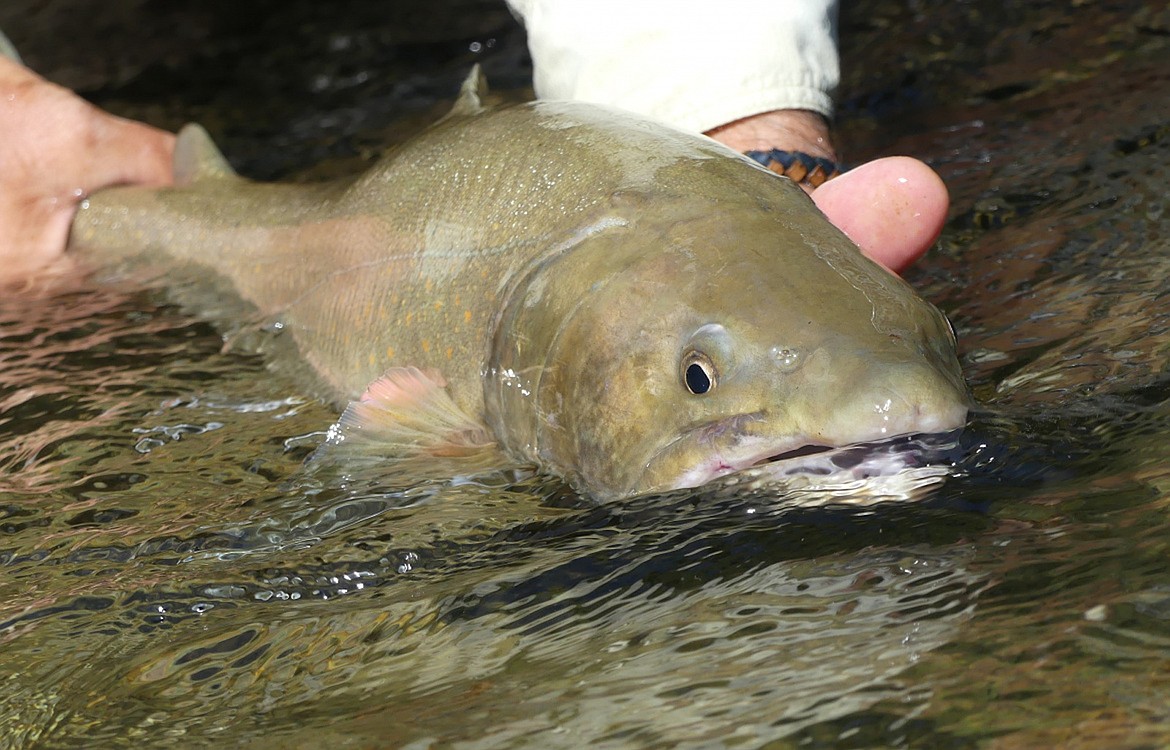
pixel 691 341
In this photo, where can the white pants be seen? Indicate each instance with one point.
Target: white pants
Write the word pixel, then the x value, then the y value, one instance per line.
pixel 695 64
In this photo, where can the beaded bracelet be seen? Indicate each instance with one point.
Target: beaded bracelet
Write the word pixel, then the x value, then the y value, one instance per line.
pixel 797 165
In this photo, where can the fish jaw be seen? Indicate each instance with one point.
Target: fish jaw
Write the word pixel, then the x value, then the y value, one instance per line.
pixel 799 456
pixel 878 416
pixel 721 463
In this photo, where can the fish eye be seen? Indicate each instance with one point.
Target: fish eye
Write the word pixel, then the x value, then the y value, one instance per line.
pixel 698 373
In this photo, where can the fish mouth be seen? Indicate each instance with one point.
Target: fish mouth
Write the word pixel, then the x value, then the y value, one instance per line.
pixel 809 461
pixel 860 460
pixel 864 460
pixel 900 469
pixel 809 449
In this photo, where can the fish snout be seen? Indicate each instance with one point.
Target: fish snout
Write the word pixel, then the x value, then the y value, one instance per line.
pixel 890 400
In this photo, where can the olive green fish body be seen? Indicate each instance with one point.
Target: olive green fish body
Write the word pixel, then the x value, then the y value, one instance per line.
pixel 563 266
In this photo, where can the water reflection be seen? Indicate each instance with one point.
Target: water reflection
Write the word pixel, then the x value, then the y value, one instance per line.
pixel 596 622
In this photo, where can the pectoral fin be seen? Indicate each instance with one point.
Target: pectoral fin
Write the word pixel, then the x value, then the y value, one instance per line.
pixel 407 414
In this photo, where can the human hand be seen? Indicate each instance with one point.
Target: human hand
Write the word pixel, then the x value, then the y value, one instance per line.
pixel 893 208
pixel 55 149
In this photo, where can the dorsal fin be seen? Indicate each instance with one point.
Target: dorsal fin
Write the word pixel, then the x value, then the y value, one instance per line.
pixel 7 50
pixel 471 95
pixel 197 158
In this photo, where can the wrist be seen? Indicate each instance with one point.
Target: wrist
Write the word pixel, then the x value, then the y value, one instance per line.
pixel 784 129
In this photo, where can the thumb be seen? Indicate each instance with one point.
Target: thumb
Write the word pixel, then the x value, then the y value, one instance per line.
pixel 128 152
pixel 893 208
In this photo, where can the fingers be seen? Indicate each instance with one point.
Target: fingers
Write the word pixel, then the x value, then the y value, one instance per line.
pixel 127 152
pixel 55 148
pixel 893 208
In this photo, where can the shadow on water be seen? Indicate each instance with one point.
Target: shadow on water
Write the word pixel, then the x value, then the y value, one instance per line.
pixel 171 574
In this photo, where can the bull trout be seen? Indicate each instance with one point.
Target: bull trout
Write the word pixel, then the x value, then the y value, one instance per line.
pixel 627 306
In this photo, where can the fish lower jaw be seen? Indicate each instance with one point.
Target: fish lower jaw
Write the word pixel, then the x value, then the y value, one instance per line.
pixel 722 464
pixel 798 459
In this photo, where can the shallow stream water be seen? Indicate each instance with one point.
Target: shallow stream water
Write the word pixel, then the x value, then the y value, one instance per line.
pixel 170 574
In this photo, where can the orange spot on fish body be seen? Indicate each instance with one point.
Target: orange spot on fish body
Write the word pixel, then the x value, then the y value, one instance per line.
pixel 467 316
pixel 426 345
pixel 389 352
pixel 450 351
